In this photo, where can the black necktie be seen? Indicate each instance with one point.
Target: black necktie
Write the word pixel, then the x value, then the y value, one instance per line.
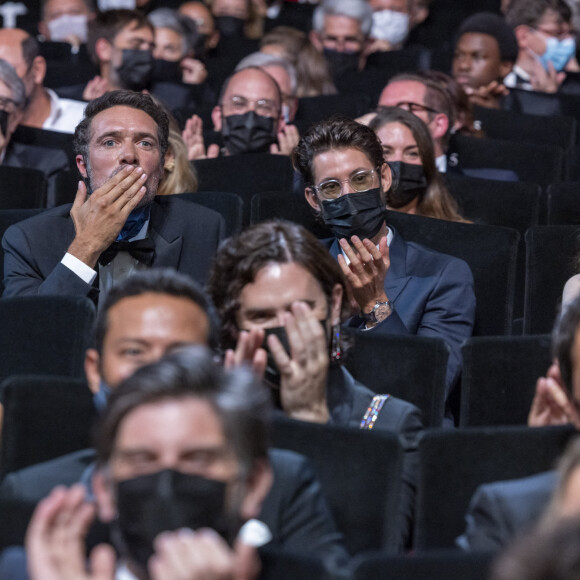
pixel 142 250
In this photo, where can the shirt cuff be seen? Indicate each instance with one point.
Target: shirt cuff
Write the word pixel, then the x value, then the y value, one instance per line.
pixel 84 272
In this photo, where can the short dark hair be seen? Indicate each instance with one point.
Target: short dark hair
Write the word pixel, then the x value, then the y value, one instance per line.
pixel 238 262
pixel 155 281
pixel 565 331
pixel 241 403
pixel 121 98
pixel 109 23
pixel 495 26
pixel 338 132
pixel 436 97
pixel 88 3
pixel 30 50
pixel 530 12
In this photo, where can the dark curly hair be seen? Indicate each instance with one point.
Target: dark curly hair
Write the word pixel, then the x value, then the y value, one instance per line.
pixel 238 262
pixel 338 132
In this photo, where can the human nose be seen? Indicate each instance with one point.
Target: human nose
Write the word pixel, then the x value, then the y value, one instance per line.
pixel 128 154
pixel 464 63
pixel 346 187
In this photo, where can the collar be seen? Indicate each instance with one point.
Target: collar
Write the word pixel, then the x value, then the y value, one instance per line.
pixel 339 394
pixel 56 109
pixel 441 163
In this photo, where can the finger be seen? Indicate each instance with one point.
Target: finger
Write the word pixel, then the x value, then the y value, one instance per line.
pixel 259 363
pixel 348 251
pixel 312 331
pixel 296 340
pixel 130 197
pixel 229 359
pixel 213 151
pixel 351 277
pixel 281 357
pixel 385 253
pixel 103 562
pixel 118 183
pixel 274 150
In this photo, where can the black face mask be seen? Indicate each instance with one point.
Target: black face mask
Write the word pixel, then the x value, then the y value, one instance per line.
pixel 136 69
pixel 248 133
pixel 4 121
pixel 166 501
pixel 409 181
pixel 360 214
pixel 166 71
pixel 341 62
pixel 199 47
pixel 230 26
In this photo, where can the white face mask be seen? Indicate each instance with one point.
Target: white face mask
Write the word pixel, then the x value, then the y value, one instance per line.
pixel 390 26
pixel 68 25
pixel 117 4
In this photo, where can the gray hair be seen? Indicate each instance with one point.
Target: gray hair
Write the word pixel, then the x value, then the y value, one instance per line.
pixel 357 9
pixel 241 402
pixel 169 18
pixel 262 60
pixel 9 77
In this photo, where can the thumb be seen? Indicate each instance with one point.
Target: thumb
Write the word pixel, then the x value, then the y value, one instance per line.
pixel 274 149
pixel 81 195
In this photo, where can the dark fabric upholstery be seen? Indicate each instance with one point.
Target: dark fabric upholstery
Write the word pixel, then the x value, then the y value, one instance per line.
pixel 499 378
pixel 48 139
pixel 44 417
pixel 278 565
pixel 359 473
pixel 541 164
pixel 439 565
pixel 45 335
pixel 229 205
pixel 7 218
pixel 282 205
pixel 490 252
pixel 22 188
pixel 553 130
pixel 66 187
pixel 454 462
pixel 563 207
pixel 245 175
pixel 545 104
pixel 411 368
pixel 313 109
pixel 550 253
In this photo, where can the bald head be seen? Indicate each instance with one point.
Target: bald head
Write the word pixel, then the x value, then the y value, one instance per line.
pixel 200 14
pixel 11 48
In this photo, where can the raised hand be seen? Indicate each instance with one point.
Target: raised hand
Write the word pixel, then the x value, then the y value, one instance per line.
pixel 248 351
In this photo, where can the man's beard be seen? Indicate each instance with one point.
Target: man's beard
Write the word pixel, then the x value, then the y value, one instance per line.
pixel 151 185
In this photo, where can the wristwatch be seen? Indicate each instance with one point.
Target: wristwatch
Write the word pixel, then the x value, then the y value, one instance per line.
pixel 380 312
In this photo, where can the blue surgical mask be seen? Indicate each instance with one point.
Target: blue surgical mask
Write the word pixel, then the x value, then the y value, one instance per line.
pixel 101 397
pixel 558 52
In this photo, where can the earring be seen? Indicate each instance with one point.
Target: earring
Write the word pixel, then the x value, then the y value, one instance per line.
pixel 335 347
pixel 170 166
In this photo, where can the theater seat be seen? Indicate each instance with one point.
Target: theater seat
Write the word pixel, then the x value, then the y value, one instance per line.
pixel 563 204
pixel 22 188
pixel 229 205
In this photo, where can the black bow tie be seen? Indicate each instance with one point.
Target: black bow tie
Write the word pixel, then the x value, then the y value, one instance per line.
pixel 142 250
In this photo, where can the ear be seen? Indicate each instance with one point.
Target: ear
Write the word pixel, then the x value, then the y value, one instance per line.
pixel 81 165
pixel 216 117
pixel 103 50
pixel 522 32
pixel 281 122
pixel 386 177
pixel 336 304
pixel 419 15
pixel 312 198
pixel 39 70
pixel 439 126
pixel 92 372
pixel 213 39
pixel 43 29
pixel 258 486
pixel 316 40
pixel 106 508
pixel 505 68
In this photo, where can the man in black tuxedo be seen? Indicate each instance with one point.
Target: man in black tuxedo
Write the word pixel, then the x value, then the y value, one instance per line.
pixel 115 227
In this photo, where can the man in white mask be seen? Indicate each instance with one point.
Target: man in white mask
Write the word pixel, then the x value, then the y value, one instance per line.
pixel 66 20
pixel 391 23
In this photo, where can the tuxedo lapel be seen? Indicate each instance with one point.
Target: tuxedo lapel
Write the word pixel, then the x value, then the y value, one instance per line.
pixel 168 242
pixel 397 277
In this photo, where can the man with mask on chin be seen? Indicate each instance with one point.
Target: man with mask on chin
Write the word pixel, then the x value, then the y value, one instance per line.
pixel 248 115
pixel 340 30
pixel 116 225
pixel 182 465
pixel 399 287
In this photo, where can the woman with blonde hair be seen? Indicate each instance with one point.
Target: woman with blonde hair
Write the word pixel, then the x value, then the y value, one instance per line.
pixel 408 149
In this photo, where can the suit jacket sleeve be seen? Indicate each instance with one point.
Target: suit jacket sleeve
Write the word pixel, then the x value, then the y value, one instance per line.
pixel 22 273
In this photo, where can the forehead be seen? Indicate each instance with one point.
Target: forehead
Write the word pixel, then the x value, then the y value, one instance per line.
pixel 278 285
pixel 396 133
pixel 252 84
pixel 239 6
pixel 171 424
pixel 550 18
pixel 132 30
pixel 339 163
pixel 152 315
pixel 475 41
pixel 195 10
pixel 337 25
pixel 403 91
pixel 56 7
pixel 167 35
pixel 11 48
pixel 122 118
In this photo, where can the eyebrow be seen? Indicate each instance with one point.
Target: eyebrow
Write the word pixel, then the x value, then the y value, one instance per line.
pixel 138 135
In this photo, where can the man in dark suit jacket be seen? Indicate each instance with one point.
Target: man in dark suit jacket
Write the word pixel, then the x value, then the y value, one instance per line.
pixel 399 287
pixel 120 145
pixel 499 511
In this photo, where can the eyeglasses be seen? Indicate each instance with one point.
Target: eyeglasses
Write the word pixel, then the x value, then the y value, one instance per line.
pixel 240 105
pixel 361 180
pixel 415 107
